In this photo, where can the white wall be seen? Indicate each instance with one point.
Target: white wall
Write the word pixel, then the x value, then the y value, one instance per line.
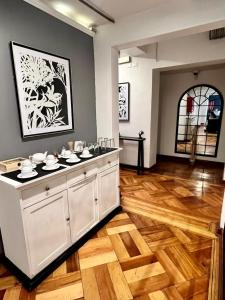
pixel 178 53
pixel 166 20
pixel 172 86
pixel 139 75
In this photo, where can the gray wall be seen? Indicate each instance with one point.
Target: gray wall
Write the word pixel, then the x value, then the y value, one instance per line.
pixel 25 24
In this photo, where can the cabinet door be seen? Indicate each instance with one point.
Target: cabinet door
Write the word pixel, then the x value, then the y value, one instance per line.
pixel 108 191
pixel 47 230
pixel 83 207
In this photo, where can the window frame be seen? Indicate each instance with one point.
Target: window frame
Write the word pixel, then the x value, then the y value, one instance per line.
pixel 220 119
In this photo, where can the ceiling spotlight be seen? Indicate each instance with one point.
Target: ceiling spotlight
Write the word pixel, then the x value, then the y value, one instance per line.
pixel 195 73
pixel 93 28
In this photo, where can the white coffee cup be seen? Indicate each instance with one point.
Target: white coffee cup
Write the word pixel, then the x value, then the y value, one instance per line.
pixel 50 160
pixel 67 153
pixel 85 152
pixel 26 167
pixel 73 157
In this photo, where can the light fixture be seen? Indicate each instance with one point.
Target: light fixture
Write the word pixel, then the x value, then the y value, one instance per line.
pixel 63 8
pixel 124 60
pixel 195 73
pixel 83 20
pixel 69 11
pixel 93 28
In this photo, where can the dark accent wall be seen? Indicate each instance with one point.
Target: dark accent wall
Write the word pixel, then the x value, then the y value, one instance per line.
pixel 25 24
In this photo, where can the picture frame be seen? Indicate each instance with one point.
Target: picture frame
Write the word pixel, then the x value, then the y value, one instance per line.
pixel 124 101
pixel 44 91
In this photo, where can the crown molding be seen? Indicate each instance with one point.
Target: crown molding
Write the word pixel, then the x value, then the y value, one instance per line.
pixel 59 16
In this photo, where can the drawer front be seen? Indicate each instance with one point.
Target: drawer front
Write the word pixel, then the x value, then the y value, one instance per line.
pixel 44 190
pixel 81 174
pixel 108 162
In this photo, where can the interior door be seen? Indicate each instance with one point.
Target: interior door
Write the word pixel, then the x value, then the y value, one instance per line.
pixel 83 207
pixel 47 229
pixel 108 191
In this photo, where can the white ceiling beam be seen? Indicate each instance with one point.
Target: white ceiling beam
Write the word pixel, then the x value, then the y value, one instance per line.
pixel 134 51
pixel 59 16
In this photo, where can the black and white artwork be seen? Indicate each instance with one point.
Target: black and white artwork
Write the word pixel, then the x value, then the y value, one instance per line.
pixel 44 91
pixel 124 98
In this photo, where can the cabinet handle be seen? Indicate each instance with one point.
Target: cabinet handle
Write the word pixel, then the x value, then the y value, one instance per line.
pixel 96 200
pixel 85 173
pixel 67 219
pixel 47 188
pixel 109 162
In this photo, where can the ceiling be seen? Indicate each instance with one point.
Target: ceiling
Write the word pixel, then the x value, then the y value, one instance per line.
pixel 116 9
pixel 122 8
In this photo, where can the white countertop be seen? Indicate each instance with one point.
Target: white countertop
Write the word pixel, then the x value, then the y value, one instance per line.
pixel 66 170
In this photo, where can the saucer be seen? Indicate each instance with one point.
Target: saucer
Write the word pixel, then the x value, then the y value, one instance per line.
pixel 51 168
pixel 55 160
pixel 29 175
pixel 71 161
pixel 65 157
pixel 86 156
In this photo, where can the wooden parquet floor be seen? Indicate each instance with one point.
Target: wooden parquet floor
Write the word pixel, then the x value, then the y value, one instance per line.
pixel 163 246
pixel 132 257
pixel 189 204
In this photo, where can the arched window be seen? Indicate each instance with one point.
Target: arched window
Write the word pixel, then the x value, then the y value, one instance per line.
pixel 199 119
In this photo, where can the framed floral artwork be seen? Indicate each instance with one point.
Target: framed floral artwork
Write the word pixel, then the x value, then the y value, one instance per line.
pixel 43 84
pixel 124 101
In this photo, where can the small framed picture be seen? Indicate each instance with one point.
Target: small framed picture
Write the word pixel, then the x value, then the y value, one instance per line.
pixel 43 83
pixel 124 101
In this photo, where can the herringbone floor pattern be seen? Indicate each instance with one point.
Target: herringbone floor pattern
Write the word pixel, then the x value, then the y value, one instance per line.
pixel 135 256
pixel 194 205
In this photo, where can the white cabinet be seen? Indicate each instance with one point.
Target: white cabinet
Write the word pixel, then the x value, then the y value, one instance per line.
pixel 47 230
pixel 108 190
pixel 83 207
pixel 42 218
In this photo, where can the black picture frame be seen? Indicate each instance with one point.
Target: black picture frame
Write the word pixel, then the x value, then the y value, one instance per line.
pixel 124 101
pixel 46 96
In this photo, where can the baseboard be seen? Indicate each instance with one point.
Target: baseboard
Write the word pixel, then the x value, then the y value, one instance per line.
pixel 30 284
pixel 126 166
pixel 131 167
pixel 217 278
pixel 221 264
pixel 185 160
pixel 1 248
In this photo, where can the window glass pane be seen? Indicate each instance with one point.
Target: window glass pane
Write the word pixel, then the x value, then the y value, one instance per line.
pixel 195 110
pixel 181 147
pixel 203 109
pixel 211 92
pixel 199 113
pixel 204 100
pixel 210 150
pixel 191 93
pixel 183 103
pixel 201 139
pixel 181 137
pixel 183 110
pixel 183 120
pixel 181 130
pixel 188 148
pixel 197 90
pixel 200 149
pixel 211 139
